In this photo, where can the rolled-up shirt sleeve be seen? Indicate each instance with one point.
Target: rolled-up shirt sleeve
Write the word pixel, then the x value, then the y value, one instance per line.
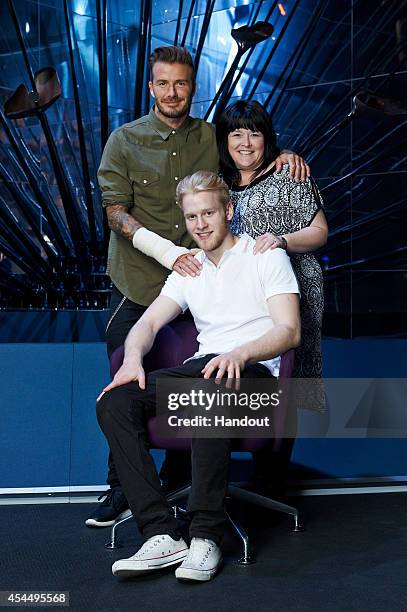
pixel 174 288
pixel 113 177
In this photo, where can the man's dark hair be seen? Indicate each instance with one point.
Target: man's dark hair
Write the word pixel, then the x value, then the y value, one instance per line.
pixel 171 55
pixel 249 115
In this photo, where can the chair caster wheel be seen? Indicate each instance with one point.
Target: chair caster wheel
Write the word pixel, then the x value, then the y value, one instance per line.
pixel 247 560
pixel 112 545
pixel 298 525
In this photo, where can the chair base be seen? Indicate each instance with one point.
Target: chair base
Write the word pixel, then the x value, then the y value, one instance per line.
pixel 113 544
pixel 248 557
pixel 234 492
pixel 172 497
pixel 247 560
pixel 298 524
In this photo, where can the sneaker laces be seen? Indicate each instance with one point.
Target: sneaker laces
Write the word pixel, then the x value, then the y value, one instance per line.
pixel 108 495
pixel 198 548
pixel 110 498
pixel 152 543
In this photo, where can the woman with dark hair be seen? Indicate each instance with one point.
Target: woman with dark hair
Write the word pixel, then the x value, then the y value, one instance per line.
pixel 280 213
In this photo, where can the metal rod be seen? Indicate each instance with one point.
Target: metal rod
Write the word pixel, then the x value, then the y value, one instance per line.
pixel 260 500
pixel 60 236
pixel 224 86
pixel 113 541
pixel 247 558
pixel 25 206
pixel 353 92
pixel 81 136
pixel 371 68
pixel 256 13
pixel 22 43
pixel 180 9
pixel 270 56
pixel 368 218
pixel 328 135
pixel 188 23
pixel 101 13
pixel 329 33
pixel 356 90
pixel 251 51
pixel 15 241
pixel 383 154
pixel 68 201
pixel 17 231
pixel 17 247
pixel 72 216
pixel 210 5
pixel 297 52
pixel 145 18
pixel 22 263
pixel 101 27
pixel 146 97
pixel 364 260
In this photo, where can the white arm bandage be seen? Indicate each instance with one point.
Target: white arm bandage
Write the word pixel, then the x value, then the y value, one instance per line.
pixel 162 250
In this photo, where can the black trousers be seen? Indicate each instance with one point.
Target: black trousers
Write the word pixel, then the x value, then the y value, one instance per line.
pixel 123 314
pixel 123 414
pixel 269 467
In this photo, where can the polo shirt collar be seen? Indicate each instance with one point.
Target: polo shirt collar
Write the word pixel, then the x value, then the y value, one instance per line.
pixel 239 247
pixel 165 130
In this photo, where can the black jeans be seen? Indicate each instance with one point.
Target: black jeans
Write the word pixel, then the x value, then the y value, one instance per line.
pixel 122 414
pixel 123 314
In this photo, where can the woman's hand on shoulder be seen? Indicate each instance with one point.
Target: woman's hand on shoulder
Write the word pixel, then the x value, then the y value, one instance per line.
pixel 299 169
pixel 268 242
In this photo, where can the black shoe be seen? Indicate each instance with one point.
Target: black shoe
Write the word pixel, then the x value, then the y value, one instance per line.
pixel 113 508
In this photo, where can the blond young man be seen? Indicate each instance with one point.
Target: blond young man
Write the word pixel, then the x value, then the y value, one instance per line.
pixel 236 297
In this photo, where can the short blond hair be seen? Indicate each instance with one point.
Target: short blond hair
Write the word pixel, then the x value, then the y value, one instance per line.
pixel 203 180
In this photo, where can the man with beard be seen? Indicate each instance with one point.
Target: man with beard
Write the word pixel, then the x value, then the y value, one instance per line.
pixel 246 310
pixel 141 166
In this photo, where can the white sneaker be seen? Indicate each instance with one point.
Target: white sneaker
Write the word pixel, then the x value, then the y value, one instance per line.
pixel 203 561
pixel 157 552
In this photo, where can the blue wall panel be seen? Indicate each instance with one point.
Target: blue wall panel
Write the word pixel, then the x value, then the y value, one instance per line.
pixel 88 448
pixel 359 358
pixel 49 435
pixel 364 358
pixel 357 458
pixel 36 390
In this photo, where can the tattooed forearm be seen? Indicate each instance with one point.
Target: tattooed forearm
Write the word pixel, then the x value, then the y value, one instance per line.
pixel 121 222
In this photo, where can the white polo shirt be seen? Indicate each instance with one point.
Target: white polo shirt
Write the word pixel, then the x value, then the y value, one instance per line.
pixel 229 301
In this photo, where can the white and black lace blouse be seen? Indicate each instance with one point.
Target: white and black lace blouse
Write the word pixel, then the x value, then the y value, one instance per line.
pixel 275 203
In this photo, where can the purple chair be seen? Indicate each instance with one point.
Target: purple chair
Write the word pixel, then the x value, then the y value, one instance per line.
pixel 175 343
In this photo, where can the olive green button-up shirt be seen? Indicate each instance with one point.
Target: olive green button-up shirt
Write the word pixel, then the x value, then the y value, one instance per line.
pixel 141 165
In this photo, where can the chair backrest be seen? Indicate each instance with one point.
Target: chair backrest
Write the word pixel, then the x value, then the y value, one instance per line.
pixel 174 343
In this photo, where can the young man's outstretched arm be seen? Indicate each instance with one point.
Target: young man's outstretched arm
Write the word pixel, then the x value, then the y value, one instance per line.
pixel 140 339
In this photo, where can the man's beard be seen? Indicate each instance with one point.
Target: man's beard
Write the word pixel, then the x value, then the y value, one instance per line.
pixel 174 114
